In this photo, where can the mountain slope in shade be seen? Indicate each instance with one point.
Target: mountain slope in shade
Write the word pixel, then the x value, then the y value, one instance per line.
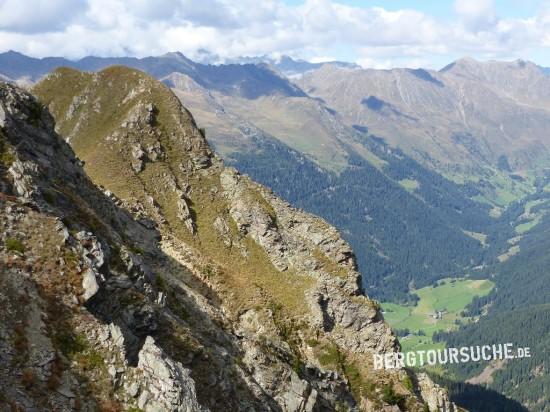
pixel 248 80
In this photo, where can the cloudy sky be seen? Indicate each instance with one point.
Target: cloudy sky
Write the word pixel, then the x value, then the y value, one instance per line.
pixel 381 34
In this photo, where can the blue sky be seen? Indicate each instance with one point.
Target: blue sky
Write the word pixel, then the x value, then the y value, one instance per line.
pixel 442 8
pixel 379 34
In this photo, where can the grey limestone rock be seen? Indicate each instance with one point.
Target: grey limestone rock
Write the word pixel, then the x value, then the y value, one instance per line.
pixel 169 385
pixel 89 284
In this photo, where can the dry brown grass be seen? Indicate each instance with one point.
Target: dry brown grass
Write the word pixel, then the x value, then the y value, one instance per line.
pixel 28 379
pixel 110 406
pixel 56 370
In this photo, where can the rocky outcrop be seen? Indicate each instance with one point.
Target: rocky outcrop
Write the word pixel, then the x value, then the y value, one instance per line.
pixel 292 238
pixel 22 173
pixel 247 304
pixel 167 385
pixel 436 397
pixel 184 213
pixel 62 254
pixel 138 158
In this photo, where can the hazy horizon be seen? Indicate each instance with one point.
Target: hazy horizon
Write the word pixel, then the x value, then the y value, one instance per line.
pixel 275 58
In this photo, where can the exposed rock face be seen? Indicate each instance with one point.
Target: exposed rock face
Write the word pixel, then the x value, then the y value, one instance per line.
pixel 89 284
pixel 256 308
pixel 167 385
pixel 296 239
pixel 138 158
pixel 435 396
pixel 184 213
pixel 53 341
pixel 22 173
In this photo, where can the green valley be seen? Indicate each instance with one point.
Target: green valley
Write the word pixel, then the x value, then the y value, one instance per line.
pixel 439 308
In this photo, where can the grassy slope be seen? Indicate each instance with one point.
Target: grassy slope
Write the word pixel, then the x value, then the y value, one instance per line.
pixel 498 188
pixel 108 164
pixel 243 282
pixel 410 184
pixel 300 123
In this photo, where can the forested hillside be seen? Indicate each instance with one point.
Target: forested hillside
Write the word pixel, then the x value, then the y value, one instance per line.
pixel 518 312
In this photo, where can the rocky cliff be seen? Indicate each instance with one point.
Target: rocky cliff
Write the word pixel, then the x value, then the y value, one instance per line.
pixel 165 281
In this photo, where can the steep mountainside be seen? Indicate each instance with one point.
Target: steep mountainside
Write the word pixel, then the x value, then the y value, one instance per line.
pixel 243 127
pixel 180 285
pixel 382 200
pixel 408 225
pixel 468 115
pixel 299 122
pixel 522 81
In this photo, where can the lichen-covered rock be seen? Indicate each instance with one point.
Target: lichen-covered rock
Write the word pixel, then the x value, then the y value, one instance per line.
pixel 138 158
pixel 222 228
pixel 184 213
pixel 22 173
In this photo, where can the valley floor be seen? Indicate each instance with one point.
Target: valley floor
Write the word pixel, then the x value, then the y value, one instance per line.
pixel 440 308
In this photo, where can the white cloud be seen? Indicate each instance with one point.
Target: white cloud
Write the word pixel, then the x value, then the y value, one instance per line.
pixel 321 59
pixel 374 36
pixel 476 14
pixel 36 16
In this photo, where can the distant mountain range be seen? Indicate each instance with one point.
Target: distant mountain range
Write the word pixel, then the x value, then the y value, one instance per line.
pixel 248 80
pixel 464 116
pixel 292 68
pixel 467 115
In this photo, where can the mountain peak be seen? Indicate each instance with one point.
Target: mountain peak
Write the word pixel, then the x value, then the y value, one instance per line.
pixel 176 55
pixel 461 63
pixel 470 65
pixel 13 53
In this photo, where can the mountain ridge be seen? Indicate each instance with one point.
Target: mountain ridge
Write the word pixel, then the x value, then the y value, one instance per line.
pixel 442 127
pixel 218 225
pixel 250 82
